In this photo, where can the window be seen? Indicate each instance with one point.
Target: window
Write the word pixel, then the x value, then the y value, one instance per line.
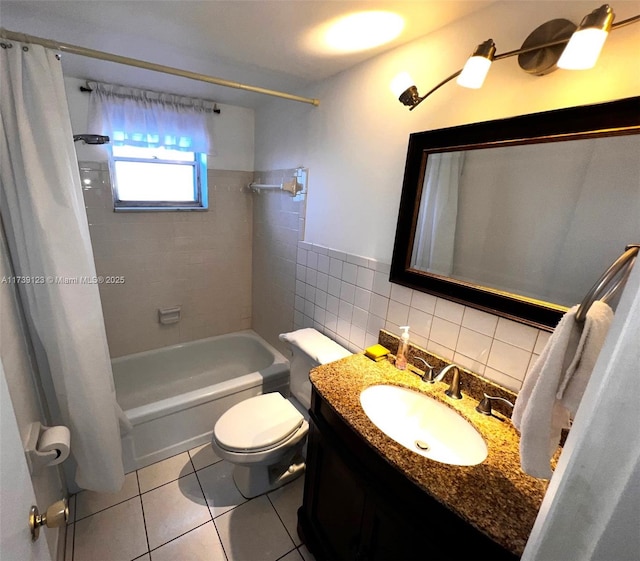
pixel 158 178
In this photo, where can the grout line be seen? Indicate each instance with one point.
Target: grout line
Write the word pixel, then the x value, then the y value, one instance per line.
pixel 73 539
pixel 281 521
pixel 287 553
pixel 144 518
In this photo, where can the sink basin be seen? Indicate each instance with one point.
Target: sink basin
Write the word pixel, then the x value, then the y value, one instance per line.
pixel 423 425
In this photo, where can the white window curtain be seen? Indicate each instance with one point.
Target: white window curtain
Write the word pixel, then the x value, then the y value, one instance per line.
pixel 134 117
pixel 44 218
pixel 436 228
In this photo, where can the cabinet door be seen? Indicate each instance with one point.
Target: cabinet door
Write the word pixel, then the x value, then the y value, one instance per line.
pixel 336 500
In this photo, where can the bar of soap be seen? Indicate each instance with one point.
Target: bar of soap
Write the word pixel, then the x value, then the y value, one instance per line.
pixel 376 352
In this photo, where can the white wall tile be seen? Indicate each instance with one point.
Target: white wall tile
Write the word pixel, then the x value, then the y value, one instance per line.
pixel 345 311
pixel 334 287
pixel 348 292
pixel 420 323
pixel 381 284
pixel 508 359
pixel 365 278
pixel 360 318
pixel 474 345
pixel 398 313
pixel 323 263
pixel 444 332
pixel 333 304
pixel 401 294
pixel 335 267
pixel 480 321
pixel 349 273
pixel 517 334
pixel 353 315
pixel 362 298
pixel 451 311
pixel 424 302
pixel 312 260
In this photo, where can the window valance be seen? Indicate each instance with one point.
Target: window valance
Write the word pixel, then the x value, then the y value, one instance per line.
pixel 134 117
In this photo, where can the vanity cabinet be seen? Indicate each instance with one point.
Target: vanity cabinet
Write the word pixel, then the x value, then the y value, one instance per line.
pixel 357 506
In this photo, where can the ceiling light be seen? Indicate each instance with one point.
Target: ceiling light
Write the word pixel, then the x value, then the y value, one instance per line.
pixel 477 66
pixel 585 44
pixel 547 48
pixel 363 30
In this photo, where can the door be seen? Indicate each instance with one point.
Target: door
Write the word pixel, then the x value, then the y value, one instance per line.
pixel 16 491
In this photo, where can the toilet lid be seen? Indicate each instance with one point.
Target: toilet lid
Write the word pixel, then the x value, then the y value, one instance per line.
pixel 258 423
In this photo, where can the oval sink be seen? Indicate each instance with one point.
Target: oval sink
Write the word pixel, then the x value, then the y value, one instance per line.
pixel 423 425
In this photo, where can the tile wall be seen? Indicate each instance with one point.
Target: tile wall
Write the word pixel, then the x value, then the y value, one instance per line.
pixel 349 298
pixel 278 225
pixel 200 261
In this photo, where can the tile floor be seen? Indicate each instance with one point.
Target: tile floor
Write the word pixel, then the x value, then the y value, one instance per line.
pixel 185 508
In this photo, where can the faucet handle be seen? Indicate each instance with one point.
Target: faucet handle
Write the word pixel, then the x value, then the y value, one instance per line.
pixel 428 373
pixel 484 406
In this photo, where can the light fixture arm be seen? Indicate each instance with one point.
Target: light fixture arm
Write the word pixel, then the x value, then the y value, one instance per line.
pixel 417 100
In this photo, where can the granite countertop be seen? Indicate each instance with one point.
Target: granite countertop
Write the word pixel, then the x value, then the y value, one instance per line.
pixel 496 496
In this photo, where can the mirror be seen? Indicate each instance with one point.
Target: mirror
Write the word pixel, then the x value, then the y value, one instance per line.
pixel 520 216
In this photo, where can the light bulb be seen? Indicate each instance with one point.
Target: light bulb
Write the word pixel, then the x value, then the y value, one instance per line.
pixel 401 83
pixel 477 66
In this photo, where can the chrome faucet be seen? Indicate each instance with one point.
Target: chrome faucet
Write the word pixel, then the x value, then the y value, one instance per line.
pixel 484 406
pixel 454 389
pixel 428 373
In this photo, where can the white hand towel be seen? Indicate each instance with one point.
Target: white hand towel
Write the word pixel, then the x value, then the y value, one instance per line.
pixel 594 332
pixel 552 391
pixel 318 346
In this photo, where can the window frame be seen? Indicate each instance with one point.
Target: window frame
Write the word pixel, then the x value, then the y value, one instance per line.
pixel 200 202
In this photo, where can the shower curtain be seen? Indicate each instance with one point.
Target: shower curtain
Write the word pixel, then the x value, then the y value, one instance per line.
pixel 436 228
pixel 43 213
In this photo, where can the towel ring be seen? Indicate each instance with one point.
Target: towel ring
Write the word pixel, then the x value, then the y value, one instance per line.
pixel 621 267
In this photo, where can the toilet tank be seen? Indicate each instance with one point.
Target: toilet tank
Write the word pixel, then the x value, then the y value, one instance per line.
pixel 309 348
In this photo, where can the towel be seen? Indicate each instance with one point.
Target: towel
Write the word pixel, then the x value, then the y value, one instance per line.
pixel 552 390
pixel 319 347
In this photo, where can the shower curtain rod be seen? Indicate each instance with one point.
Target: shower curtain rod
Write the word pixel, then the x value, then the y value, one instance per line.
pixel 101 55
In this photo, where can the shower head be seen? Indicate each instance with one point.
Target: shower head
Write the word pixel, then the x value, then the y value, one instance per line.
pixel 91 138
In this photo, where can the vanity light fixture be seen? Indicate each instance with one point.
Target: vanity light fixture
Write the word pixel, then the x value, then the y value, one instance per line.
pixel 587 41
pixel 555 44
pixel 477 66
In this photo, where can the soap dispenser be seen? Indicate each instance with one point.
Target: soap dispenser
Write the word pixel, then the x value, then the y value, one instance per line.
pixel 403 348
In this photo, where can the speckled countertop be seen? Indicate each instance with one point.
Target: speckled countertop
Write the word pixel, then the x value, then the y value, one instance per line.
pixel 495 496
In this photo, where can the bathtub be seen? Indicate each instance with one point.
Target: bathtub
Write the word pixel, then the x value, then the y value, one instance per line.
pixel 173 396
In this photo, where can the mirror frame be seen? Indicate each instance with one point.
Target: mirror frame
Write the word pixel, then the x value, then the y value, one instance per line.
pixel 614 118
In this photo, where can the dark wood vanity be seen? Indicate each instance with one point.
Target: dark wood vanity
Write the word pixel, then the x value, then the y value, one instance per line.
pixel 357 506
pixel 367 497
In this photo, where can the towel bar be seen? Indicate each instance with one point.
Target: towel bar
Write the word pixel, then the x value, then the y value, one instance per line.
pixel 620 269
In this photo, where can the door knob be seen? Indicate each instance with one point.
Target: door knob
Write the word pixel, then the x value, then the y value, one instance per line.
pixel 57 515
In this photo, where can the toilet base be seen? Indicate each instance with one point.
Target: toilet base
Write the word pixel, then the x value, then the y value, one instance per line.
pixel 257 479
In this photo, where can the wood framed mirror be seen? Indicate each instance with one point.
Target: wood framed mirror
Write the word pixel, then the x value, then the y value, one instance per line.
pixel 520 216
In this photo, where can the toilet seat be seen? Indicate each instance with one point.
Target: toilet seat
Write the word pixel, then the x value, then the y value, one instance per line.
pixel 257 424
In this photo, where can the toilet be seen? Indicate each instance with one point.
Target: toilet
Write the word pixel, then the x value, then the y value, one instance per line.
pixel 264 436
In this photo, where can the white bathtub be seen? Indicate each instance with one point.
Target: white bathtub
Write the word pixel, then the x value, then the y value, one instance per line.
pixel 173 396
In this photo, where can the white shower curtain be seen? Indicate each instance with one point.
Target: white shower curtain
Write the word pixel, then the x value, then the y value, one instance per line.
pixel 44 217
pixel 436 228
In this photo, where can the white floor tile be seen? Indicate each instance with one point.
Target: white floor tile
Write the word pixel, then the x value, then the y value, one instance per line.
pixel 253 532
pixel 287 500
pixel 201 544
pixel 114 534
pixel 163 472
pixel 174 509
pixel 219 489
pixel 145 557
pixel 90 502
pixel 292 556
pixel 203 456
